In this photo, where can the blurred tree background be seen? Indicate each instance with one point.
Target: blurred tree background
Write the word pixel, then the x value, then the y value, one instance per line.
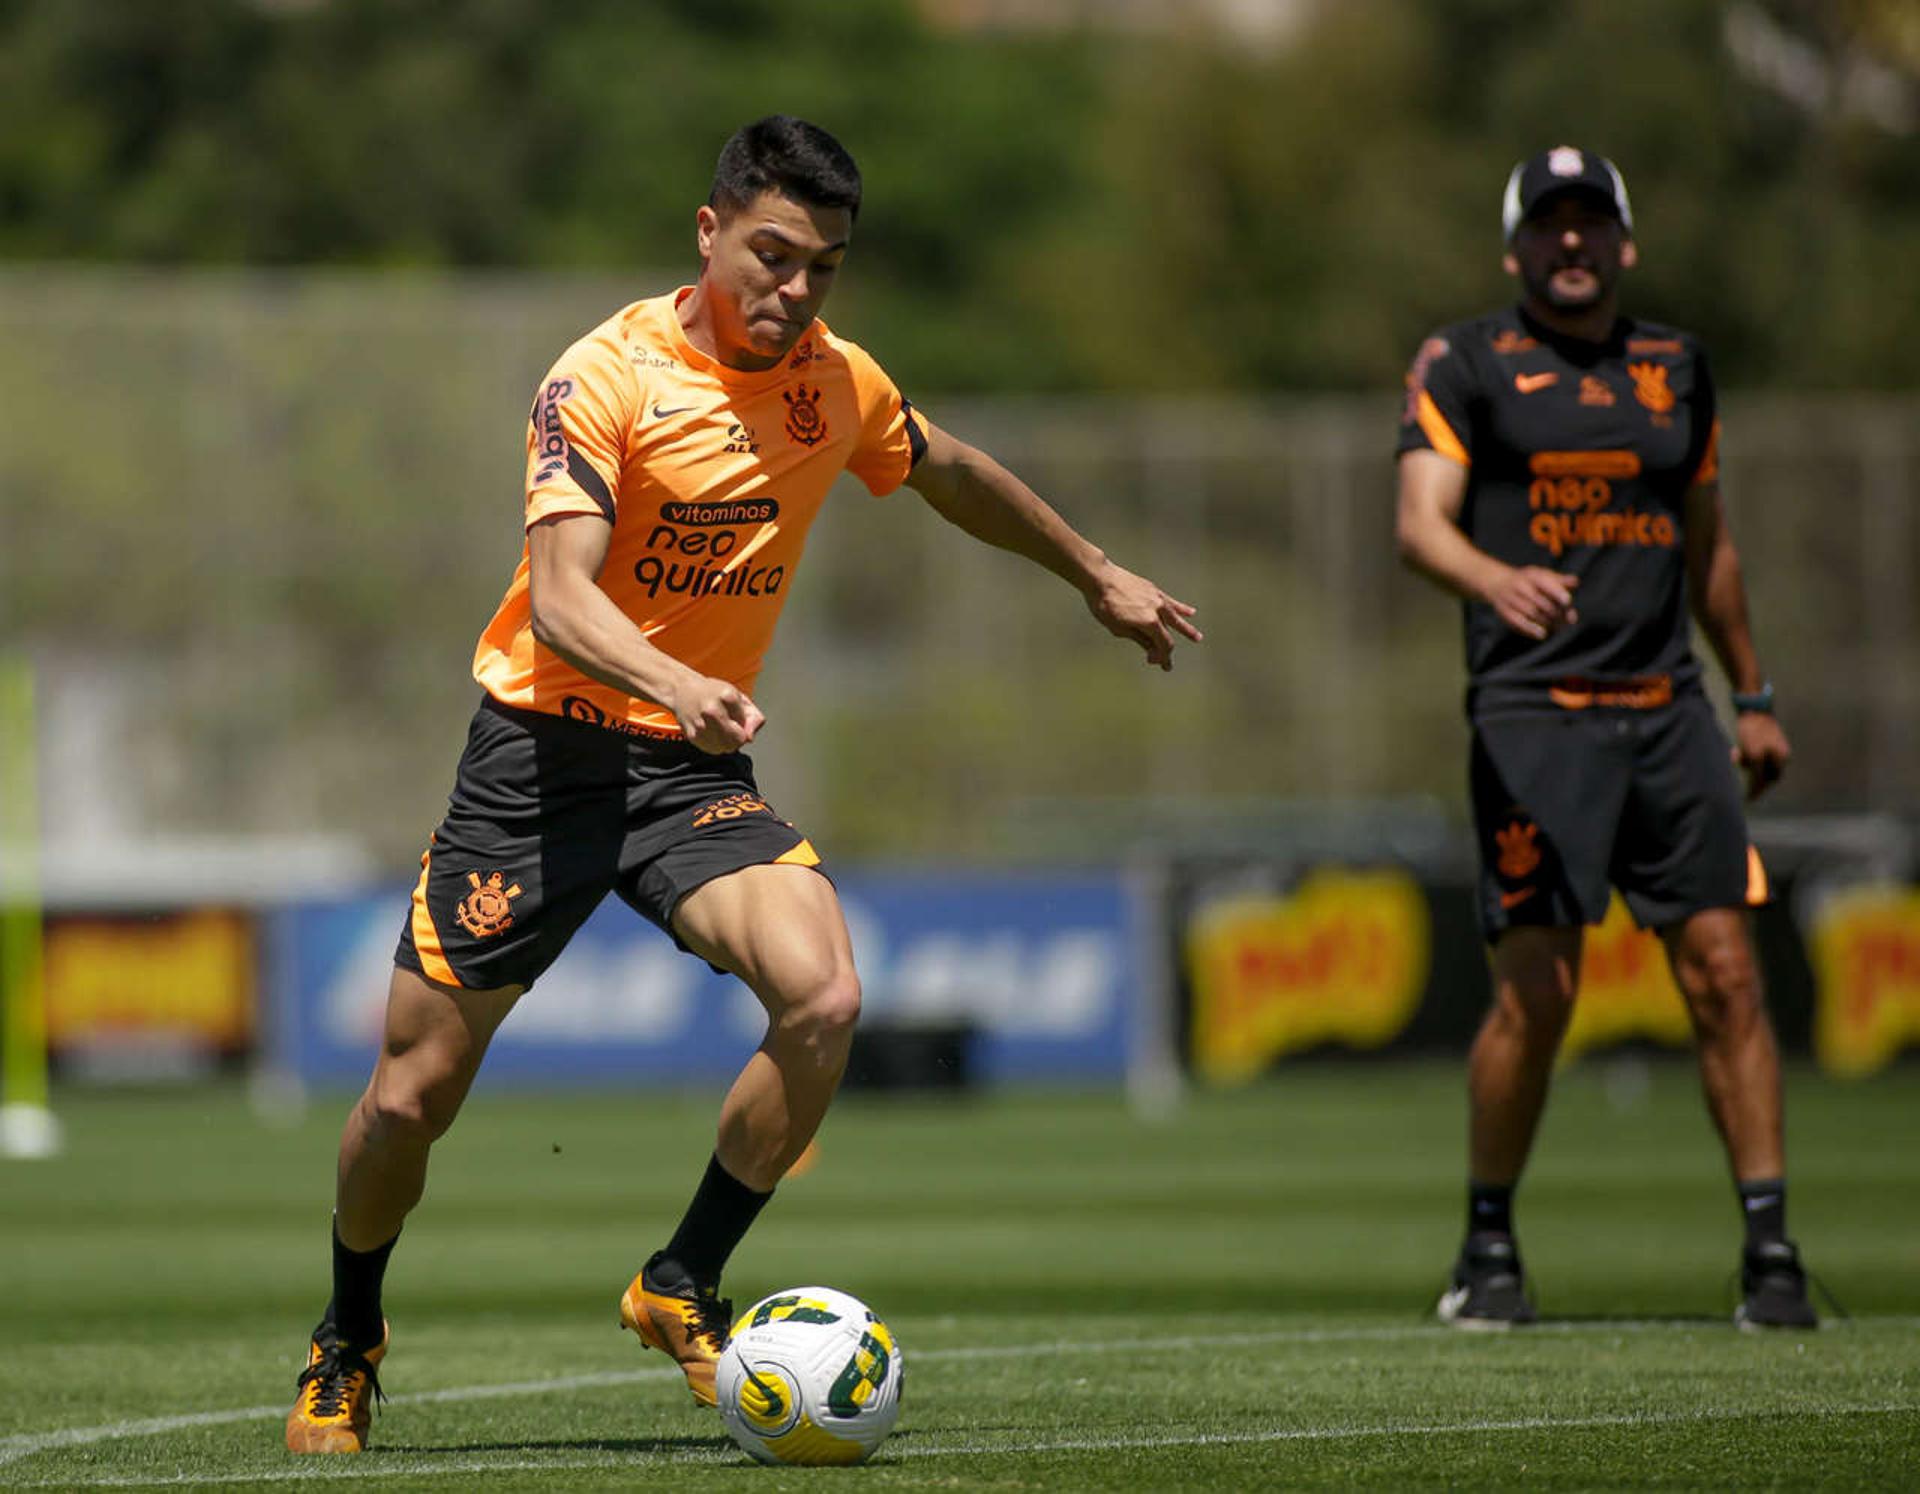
pixel 277 277
pixel 1167 206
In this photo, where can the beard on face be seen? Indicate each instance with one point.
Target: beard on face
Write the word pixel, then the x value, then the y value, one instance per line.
pixel 1541 283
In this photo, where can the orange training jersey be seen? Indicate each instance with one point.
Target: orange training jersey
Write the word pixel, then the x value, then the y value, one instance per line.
pixel 709 476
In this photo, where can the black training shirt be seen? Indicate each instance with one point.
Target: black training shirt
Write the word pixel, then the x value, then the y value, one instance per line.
pixel 1579 457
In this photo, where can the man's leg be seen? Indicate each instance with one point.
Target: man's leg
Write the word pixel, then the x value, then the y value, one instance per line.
pixel 435 1038
pixel 780 929
pixel 1713 964
pixel 1536 975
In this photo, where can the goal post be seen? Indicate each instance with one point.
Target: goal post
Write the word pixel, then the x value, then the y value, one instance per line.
pixel 27 1125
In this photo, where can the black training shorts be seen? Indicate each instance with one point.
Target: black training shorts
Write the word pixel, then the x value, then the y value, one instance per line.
pixel 548 815
pixel 1567 801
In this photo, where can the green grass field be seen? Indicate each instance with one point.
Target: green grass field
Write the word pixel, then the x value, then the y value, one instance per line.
pixel 1235 1297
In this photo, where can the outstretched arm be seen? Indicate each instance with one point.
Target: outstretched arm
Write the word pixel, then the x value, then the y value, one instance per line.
pixel 970 489
pixel 1718 597
pixel 580 622
pixel 1530 599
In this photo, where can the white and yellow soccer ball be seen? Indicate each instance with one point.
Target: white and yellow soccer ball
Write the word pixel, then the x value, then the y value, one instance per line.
pixel 809 1376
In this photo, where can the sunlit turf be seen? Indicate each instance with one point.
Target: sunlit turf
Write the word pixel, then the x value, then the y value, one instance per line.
pixel 1232 1296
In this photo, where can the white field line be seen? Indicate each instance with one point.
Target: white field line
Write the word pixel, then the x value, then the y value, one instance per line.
pixel 27 1444
pixel 376 1467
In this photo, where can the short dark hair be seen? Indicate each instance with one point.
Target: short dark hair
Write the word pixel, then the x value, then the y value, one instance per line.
pixel 788 156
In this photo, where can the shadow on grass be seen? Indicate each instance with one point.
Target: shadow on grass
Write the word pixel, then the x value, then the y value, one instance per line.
pixel 562 1444
pixel 608 1444
pixel 1635 1319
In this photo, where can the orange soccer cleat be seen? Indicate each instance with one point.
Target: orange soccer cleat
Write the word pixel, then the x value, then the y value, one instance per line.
pixel 337 1391
pixel 687 1323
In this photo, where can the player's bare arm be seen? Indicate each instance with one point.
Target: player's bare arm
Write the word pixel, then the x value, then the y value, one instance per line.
pixel 1718 596
pixel 580 622
pixel 970 489
pixel 1530 599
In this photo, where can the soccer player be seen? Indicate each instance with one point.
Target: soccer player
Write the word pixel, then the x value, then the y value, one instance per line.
pixel 1558 471
pixel 676 455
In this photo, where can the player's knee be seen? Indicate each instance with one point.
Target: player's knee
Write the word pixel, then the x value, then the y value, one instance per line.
pixel 413 1108
pixel 1524 1033
pixel 1724 991
pixel 830 1008
pixel 1535 1011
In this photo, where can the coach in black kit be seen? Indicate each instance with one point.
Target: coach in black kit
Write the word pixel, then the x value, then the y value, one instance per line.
pixel 1559 472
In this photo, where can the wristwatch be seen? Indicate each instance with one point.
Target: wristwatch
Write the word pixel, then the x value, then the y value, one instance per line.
pixel 1760 700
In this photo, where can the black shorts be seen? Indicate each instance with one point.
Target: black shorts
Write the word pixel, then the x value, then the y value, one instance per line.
pixel 548 815
pixel 1567 801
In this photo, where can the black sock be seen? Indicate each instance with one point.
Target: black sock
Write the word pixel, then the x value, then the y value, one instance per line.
pixel 1489 1208
pixel 355 1308
pixel 722 1211
pixel 1764 1203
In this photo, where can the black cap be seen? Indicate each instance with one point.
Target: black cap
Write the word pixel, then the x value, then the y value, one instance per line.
pixel 1562 169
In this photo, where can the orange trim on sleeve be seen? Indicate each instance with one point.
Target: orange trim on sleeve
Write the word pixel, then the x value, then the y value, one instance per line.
pixel 426 938
pixel 801 855
pixel 1709 469
pixel 1434 424
pixel 1759 894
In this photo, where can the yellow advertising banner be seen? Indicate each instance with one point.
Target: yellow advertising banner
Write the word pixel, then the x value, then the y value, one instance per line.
pixel 178 976
pixel 1343 958
pixel 1626 990
pixel 1865 950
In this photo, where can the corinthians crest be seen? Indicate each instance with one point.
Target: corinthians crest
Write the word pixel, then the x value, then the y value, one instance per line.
pixel 805 423
pixel 488 909
pixel 1519 856
pixel 1650 386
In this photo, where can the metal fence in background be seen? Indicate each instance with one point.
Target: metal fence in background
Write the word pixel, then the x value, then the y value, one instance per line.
pixel 251 525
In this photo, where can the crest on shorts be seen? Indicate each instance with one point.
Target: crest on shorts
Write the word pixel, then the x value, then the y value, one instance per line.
pixel 1650 386
pixel 805 423
pixel 1519 856
pixel 488 909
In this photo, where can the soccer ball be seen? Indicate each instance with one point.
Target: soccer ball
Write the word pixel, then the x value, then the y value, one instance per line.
pixel 809 1375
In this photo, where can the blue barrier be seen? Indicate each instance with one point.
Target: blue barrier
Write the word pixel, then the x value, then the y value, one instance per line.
pixel 1042 966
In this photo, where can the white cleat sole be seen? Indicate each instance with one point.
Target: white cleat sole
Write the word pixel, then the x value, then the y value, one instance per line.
pixel 1450 1310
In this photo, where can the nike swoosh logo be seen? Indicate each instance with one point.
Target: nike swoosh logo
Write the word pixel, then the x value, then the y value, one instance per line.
pixel 1528 383
pixel 660 414
pixel 1515 899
